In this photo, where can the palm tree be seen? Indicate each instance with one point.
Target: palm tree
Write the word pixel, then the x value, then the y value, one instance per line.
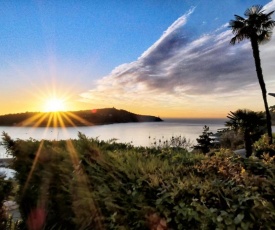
pixel 249 123
pixel 257 27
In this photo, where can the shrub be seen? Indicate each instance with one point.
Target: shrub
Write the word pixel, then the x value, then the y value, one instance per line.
pixel 5 191
pixel 231 139
pixel 87 184
pixel 262 146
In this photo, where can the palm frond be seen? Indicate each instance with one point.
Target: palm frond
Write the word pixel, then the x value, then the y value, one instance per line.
pixel 233 40
pixel 231 115
pixel 255 9
pixel 236 25
pixel 268 25
pixel 262 18
pixel 238 38
pixel 257 24
pixel 264 37
pixel 269 14
pixel 239 18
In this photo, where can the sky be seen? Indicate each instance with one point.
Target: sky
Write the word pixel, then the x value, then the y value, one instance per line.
pixel 167 58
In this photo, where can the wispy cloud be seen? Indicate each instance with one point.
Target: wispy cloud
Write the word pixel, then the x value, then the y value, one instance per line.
pixel 176 70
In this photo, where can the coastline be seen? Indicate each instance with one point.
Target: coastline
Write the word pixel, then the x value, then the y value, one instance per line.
pixel 74 119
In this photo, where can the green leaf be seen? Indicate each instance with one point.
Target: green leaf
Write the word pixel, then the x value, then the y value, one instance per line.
pixel 219 219
pixel 231 227
pixel 158 201
pixel 181 204
pixel 224 213
pixel 213 210
pixel 228 221
pixel 245 225
pixel 238 218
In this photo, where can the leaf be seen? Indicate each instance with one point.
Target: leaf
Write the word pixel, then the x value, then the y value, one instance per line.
pixel 213 210
pixel 219 219
pixel 181 204
pixel 224 213
pixel 245 225
pixel 158 201
pixel 228 221
pixel 231 227
pixel 238 218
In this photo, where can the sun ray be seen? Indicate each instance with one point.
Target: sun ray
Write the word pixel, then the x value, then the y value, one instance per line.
pixel 31 120
pixel 57 119
pixel 50 120
pixel 65 115
pixel 73 153
pixel 39 121
pixel 62 120
pixel 33 165
pixel 82 182
pixel 83 121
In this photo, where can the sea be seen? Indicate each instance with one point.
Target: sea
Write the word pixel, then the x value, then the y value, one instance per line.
pixel 137 134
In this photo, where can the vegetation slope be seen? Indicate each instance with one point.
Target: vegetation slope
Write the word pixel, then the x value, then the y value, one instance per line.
pixel 90 184
pixel 76 118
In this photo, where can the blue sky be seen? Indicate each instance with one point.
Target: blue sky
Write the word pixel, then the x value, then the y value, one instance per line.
pixel 168 57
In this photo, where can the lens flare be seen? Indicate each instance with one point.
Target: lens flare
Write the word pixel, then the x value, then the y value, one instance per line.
pixel 54 105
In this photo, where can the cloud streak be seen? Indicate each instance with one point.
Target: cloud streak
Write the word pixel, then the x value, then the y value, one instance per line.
pixel 176 70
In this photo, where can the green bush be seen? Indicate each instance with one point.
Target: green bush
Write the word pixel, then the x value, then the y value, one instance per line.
pixel 262 147
pixel 5 191
pixel 90 184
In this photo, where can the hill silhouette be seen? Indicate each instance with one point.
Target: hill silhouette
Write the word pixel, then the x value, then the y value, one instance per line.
pixel 74 118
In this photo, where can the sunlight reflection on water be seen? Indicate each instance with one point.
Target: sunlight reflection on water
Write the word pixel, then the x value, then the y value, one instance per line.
pixel 135 133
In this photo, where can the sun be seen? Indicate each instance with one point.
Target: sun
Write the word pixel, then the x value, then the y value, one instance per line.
pixel 54 105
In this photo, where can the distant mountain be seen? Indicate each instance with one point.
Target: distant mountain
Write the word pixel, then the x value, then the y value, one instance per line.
pixel 75 118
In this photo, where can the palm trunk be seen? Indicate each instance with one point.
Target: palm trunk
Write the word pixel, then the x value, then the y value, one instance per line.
pixel 256 54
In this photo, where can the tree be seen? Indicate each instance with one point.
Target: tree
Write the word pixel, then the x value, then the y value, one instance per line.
pixel 257 27
pixel 251 124
pixel 205 141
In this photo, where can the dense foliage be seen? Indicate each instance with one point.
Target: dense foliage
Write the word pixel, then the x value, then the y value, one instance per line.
pixel 250 124
pixel 5 191
pixel 90 184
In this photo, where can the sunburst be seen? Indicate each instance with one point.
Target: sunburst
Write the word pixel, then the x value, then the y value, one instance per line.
pixel 55 114
pixel 54 105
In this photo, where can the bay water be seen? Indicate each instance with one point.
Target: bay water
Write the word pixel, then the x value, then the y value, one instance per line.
pixel 137 134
